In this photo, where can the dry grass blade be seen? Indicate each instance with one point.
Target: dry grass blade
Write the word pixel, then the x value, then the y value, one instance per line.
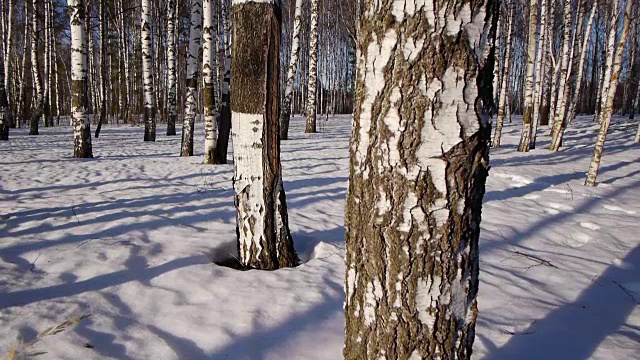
pixel 63 326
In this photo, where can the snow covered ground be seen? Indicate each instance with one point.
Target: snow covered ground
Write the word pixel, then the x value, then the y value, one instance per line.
pixel 129 238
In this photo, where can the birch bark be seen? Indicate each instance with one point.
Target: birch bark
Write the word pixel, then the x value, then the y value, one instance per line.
pixel 225 110
pixel 418 164
pixel 190 104
pixel 147 73
pixel 79 84
pixel 313 70
pixel 607 108
pixel 502 99
pixel 264 241
pixel 171 68
pixel 210 77
pixel 527 127
pixel 291 73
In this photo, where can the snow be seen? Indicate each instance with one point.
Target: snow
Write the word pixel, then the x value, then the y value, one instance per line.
pixel 129 237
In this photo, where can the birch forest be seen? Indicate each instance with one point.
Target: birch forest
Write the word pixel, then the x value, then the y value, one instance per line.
pixel 319 179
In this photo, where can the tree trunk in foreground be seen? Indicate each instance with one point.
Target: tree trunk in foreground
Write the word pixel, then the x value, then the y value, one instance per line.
pixel 527 126
pixel 79 83
pixel 209 74
pixel 147 73
pixel 190 103
pixel 607 106
pixel 264 241
pixel 419 161
pixel 172 85
pixel 313 70
pixel 285 112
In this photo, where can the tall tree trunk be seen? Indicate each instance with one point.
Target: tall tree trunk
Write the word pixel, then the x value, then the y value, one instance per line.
pixel 190 104
pixel 5 110
pixel 313 70
pixel 285 112
pixel 264 241
pixel 147 74
pixel 171 68
pixel 103 66
pixel 502 99
pixel 525 138
pixel 37 78
pixel 419 161
pixel 538 80
pixel 209 74
pixel 7 53
pixel 607 63
pixel 225 110
pixel 79 83
pixel 559 113
pixel 607 107
pixel 585 43
pixel 22 101
pixel 125 75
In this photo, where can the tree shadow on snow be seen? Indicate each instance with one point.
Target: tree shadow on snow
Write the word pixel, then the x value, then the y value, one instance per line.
pixel 576 329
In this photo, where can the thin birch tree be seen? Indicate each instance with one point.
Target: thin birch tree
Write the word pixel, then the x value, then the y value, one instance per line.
pixel 291 73
pixel 209 75
pixel 147 73
pixel 171 68
pixel 313 70
pixel 190 105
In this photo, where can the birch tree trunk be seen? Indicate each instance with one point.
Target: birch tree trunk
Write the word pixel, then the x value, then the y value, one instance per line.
pixel 285 112
pixel 79 83
pixel 190 104
pixel 147 74
pixel 502 99
pixel 313 70
pixel 7 53
pixel 538 80
pixel 124 53
pixel 607 107
pixel 103 66
pixel 209 74
pixel 37 78
pixel 22 108
pixel 585 43
pixel 5 110
pixel 608 63
pixel 559 113
pixel 264 241
pixel 225 110
pixel 171 68
pixel 419 160
pixel 527 127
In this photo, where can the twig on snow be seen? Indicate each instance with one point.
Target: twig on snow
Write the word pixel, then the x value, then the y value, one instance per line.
pixel 627 291
pixel 73 209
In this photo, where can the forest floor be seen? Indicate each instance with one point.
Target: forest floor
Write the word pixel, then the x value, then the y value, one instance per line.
pixel 129 238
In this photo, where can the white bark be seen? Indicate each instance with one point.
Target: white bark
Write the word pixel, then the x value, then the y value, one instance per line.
pixel 171 68
pixel 210 77
pixel 527 127
pixel 502 99
pixel 147 73
pixel 79 68
pixel 291 72
pixel 313 70
pixel 558 117
pixel 538 81
pixel 190 104
pixel 608 64
pixel 35 68
pixel 7 50
pixel 616 68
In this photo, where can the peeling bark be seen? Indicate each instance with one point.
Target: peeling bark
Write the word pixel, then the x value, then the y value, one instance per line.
pixel 419 160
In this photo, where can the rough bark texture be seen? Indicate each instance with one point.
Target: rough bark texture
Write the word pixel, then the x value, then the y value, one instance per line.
pixel 147 73
pixel 419 161
pixel 209 74
pixel 527 126
pixel 607 106
pixel 264 240
pixel 285 112
pixel 502 99
pixel 172 85
pixel 225 110
pixel 313 70
pixel 190 103
pixel 79 84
